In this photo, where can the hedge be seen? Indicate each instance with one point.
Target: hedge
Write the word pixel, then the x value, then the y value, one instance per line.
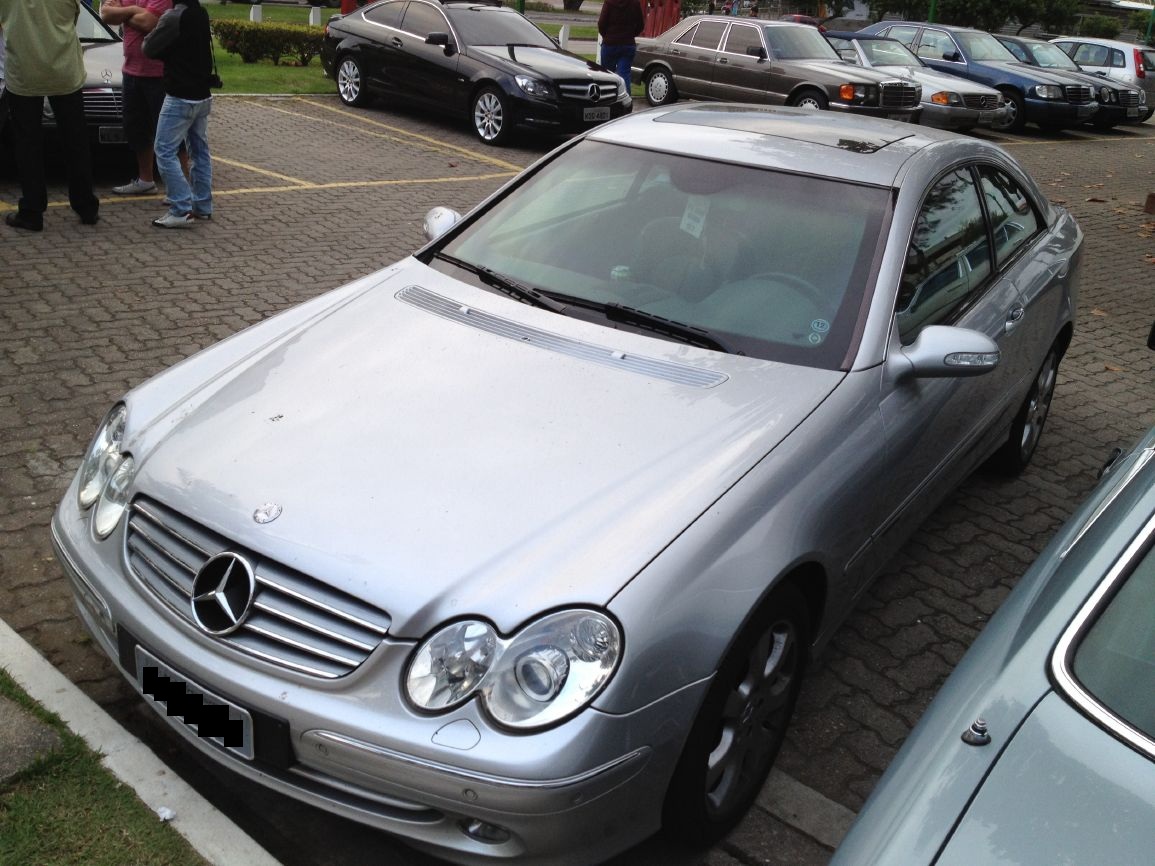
pixel 259 41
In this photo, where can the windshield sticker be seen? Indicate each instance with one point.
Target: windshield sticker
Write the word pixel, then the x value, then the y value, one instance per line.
pixel 815 338
pixel 694 217
pixel 820 325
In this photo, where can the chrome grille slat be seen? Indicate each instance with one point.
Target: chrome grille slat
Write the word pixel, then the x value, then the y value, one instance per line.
pixel 1078 93
pixel 580 91
pixel 898 95
pixel 980 101
pixel 1128 98
pixel 103 104
pixel 296 621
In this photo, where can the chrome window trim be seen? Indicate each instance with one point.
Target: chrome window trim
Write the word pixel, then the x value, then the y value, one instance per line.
pixel 730 29
pixel 1142 460
pixel 1063 655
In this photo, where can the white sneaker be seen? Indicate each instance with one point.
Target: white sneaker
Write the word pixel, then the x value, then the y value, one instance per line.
pixel 175 221
pixel 136 186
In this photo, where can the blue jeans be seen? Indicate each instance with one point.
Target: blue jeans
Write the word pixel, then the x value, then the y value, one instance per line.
pixel 184 120
pixel 619 58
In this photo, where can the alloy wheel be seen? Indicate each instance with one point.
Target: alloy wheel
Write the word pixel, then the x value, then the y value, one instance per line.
pixel 1038 405
pixel 488 116
pixel 349 81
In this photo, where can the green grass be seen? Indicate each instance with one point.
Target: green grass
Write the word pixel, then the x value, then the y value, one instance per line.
pixel 579 32
pixel 67 809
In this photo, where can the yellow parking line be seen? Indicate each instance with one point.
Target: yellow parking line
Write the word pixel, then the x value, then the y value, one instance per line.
pixel 263 171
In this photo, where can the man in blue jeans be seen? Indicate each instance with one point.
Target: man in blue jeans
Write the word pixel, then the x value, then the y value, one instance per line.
pixel 182 40
pixel 619 22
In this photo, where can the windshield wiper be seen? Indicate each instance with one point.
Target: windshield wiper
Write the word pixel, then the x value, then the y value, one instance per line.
pixel 689 334
pixel 505 284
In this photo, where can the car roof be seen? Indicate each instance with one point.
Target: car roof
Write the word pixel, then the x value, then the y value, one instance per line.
pixel 843 147
pixel 854 34
pixel 1095 40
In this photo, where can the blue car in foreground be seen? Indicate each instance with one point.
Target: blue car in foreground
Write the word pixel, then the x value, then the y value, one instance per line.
pixel 1040 748
pixel 1033 95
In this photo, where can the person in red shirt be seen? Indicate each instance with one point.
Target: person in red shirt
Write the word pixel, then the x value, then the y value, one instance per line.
pixel 619 23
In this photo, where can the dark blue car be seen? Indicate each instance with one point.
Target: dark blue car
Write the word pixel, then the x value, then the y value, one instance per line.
pixel 1035 95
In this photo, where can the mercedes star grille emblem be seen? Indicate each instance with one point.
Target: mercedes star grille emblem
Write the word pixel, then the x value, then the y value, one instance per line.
pixel 595 93
pixel 267 513
pixel 223 592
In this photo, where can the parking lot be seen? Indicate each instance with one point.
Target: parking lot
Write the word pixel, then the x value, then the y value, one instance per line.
pixel 310 194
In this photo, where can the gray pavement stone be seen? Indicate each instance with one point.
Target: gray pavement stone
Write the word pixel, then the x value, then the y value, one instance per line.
pixel 24 739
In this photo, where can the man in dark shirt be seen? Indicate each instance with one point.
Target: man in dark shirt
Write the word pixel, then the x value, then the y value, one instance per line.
pixel 182 40
pixel 619 22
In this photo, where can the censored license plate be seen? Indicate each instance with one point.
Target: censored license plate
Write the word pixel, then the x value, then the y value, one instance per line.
pixel 986 117
pixel 111 135
pixel 1133 112
pixel 594 114
pixel 205 714
pixel 896 117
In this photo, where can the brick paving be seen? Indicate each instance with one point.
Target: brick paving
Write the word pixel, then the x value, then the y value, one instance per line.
pixel 310 195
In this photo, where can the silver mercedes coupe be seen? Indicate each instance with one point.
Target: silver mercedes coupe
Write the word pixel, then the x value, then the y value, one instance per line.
pixel 518 548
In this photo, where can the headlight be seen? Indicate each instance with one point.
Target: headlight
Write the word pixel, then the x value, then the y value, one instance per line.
pixel 535 86
pixel 542 674
pixel 858 93
pixel 113 499
pixel 102 457
pixel 1106 94
pixel 1142 97
pixel 1048 91
pixel 945 97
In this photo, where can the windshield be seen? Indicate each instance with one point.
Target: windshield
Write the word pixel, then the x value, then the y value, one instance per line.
pixel 1051 56
pixel 888 52
pixel 90 28
pixel 983 46
pixel 798 43
pixel 490 25
pixel 770 264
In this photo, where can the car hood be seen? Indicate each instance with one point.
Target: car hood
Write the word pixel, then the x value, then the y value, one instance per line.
pixel 1063 791
pixel 1035 73
pixel 932 81
pixel 549 62
pixel 439 469
pixel 102 64
pixel 835 71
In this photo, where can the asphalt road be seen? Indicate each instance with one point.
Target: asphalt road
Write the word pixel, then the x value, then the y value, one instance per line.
pixel 310 194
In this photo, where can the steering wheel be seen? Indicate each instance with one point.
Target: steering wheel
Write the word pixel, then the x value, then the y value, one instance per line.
pixel 797 284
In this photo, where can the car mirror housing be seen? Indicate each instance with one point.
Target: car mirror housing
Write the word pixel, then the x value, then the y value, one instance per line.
pixel 443 40
pixel 952 56
pixel 438 221
pixel 756 51
pixel 942 351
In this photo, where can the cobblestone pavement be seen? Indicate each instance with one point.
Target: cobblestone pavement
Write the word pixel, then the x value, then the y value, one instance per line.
pixel 310 194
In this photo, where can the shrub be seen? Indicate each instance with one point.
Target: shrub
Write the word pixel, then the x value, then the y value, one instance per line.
pixel 1100 26
pixel 253 41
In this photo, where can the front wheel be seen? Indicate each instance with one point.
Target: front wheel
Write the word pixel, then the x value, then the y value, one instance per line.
pixel 742 723
pixel 660 88
pixel 811 99
pixel 1016 117
pixel 350 82
pixel 1027 428
pixel 491 118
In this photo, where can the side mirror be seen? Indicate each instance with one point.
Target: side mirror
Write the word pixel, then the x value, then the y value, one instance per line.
pixel 441 39
pixel 952 56
pixel 943 352
pixel 756 51
pixel 438 221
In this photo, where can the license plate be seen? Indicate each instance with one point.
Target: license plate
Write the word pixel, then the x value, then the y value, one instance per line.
pixel 197 709
pixel 111 135
pixel 896 116
pixel 1086 110
pixel 986 117
pixel 594 114
pixel 1132 112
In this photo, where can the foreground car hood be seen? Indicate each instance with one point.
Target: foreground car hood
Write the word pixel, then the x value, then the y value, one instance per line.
pixel 440 470
pixel 550 62
pixel 102 65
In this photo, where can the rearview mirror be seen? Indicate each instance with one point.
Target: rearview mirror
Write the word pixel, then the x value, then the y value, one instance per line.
pixel 942 352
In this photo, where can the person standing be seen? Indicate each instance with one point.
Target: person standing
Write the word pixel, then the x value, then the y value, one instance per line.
pixel 182 40
pixel 619 23
pixel 44 59
pixel 143 91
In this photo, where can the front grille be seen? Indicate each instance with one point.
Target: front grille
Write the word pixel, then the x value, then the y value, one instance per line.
pixel 1128 98
pixel 1079 93
pixel 981 102
pixel 103 105
pixel 898 95
pixel 295 621
pixel 579 91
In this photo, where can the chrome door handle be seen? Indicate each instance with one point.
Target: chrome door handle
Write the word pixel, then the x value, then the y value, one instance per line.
pixel 397 43
pixel 1015 318
pixel 723 60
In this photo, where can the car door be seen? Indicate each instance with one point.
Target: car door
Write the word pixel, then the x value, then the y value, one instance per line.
pixel 742 70
pixel 692 57
pixel 378 50
pixel 426 73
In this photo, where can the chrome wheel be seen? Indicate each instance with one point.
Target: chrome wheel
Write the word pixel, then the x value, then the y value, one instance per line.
pixel 349 82
pixel 489 116
pixel 1037 406
pixel 659 88
pixel 809 102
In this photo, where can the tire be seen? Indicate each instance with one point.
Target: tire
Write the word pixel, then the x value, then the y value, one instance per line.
pixel 1147 116
pixel 489 112
pixel 741 724
pixel 1027 428
pixel 810 98
pixel 1017 116
pixel 660 89
pixel 350 81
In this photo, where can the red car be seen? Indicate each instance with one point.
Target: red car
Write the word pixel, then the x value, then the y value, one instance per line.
pixel 803 19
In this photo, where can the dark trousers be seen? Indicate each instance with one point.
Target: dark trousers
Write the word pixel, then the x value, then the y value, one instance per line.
pixel 26 114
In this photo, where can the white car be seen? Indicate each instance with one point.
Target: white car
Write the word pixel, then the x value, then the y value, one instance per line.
pixel 1120 61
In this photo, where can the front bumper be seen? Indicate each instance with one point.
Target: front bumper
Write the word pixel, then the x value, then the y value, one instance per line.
pixel 908 115
pixel 961 117
pixel 567 116
pixel 576 793
pixel 1055 113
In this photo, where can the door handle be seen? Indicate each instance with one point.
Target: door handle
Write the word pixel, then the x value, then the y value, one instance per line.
pixel 1060 268
pixel 723 60
pixel 397 43
pixel 1015 318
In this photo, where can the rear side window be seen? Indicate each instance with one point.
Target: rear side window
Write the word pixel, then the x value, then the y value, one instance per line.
pixel 388 14
pixel 1013 218
pixel 1017 50
pixel 1092 55
pixel 708 34
pixel 687 38
pixel 1117 59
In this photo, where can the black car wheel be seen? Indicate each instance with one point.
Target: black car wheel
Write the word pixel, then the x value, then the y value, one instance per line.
pixel 491 119
pixel 815 100
pixel 1027 428
pixel 1016 117
pixel 741 724
pixel 350 83
pixel 660 88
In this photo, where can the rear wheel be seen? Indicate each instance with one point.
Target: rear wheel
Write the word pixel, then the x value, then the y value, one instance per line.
pixel 741 724
pixel 660 88
pixel 350 82
pixel 1016 117
pixel 1027 428
pixel 815 100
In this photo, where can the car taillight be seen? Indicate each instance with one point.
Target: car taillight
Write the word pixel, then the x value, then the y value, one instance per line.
pixel 1140 69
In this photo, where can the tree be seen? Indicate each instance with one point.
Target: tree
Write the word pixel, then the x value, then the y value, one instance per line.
pixel 1101 26
pixel 1056 16
pixel 911 10
pixel 983 14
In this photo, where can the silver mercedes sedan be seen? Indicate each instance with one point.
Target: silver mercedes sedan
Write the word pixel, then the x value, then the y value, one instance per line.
pixel 518 548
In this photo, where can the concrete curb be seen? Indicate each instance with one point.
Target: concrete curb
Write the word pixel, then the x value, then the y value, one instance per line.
pixel 213 835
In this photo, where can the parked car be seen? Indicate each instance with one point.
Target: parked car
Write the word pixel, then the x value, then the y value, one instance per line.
pixel 487 63
pixel 803 19
pixel 948 102
pixel 1133 65
pixel 1033 95
pixel 518 547
pixel 1118 103
pixel 102 93
pixel 708 57
pixel 1040 747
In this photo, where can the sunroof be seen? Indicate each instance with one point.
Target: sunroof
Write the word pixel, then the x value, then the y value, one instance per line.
pixel 817 127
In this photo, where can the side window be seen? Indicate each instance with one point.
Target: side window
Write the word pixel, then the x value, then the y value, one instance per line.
pixel 709 34
pixel 388 14
pixel 1091 55
pixel 741 37
pixel 935 45
pixel 949 256
pixel 687 38
pixel 1017 50
pixel 1013 217
pixel 422 19
pixel 903 34
pixel 1117 59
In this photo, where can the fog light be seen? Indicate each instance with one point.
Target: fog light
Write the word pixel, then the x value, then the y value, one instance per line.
pixel 490 834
